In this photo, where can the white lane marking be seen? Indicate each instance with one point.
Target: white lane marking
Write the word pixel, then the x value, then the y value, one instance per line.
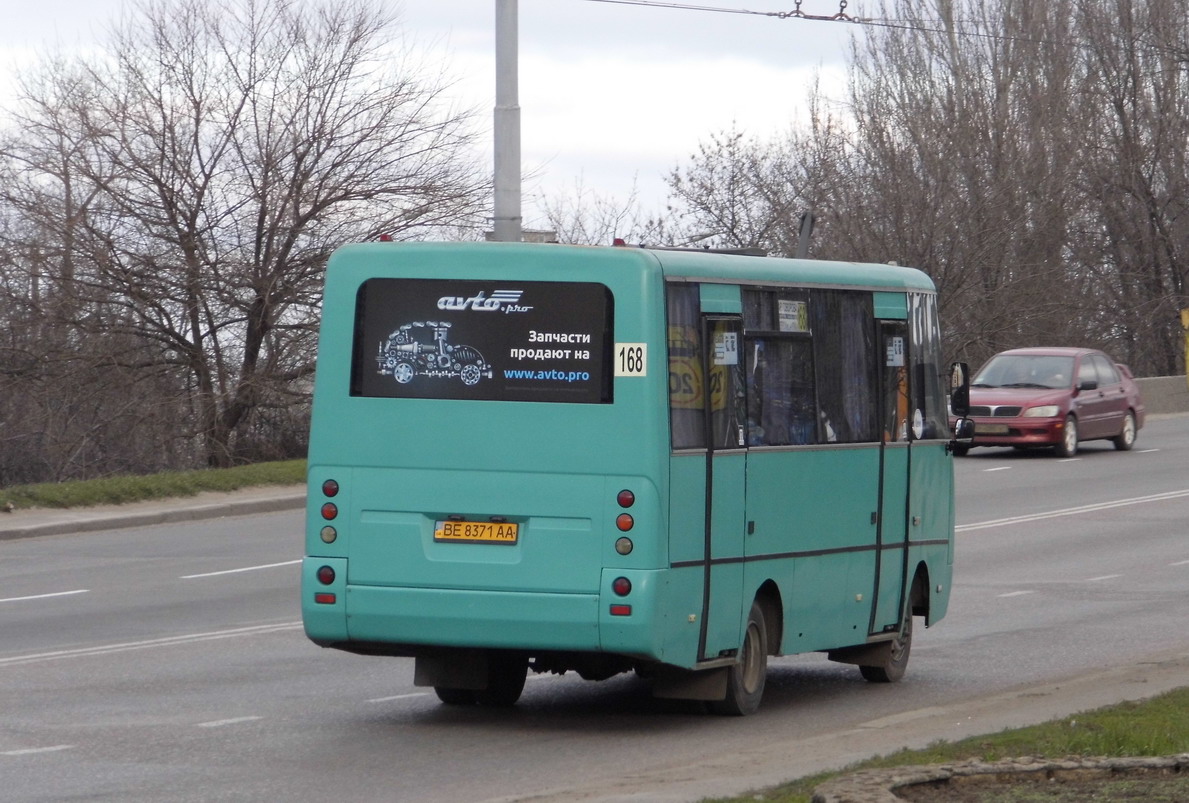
pixel 1000 468
pixel 1016 593
pixel 398 697
pixel 1069 460
pixel 426 694
pixel 32 751
pixel 1146 451
pixel 1104 577
pixel 168 641
pixel 1180 563
pixel 244 569
pixel 46 596
pixel 1071 511
pixel 219 723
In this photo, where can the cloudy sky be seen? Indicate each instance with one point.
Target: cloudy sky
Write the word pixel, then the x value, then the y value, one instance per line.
pixel 610 94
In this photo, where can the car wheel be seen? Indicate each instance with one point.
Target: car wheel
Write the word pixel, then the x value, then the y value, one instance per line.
pixel 1068 445
pixel 1126 438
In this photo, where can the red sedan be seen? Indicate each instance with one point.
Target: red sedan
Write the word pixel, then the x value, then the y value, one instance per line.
pixel 1054 397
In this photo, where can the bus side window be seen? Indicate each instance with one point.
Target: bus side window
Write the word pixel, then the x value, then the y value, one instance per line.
pixel 930 419
pixel 780 401
pixel 847 364
pixel 687 416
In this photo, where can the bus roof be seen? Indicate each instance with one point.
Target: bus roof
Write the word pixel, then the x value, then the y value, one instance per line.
pixel 677 264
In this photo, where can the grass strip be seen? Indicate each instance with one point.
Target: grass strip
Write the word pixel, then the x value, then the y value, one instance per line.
pixel 1158 726
pixel 127 488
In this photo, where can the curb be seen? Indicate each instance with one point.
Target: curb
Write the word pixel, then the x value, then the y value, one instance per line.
pixel 89 520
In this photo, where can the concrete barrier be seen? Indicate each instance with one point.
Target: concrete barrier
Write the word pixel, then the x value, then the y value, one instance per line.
pixel 1164 394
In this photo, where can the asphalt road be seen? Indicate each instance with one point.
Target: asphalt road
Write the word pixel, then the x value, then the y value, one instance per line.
pixel 167 662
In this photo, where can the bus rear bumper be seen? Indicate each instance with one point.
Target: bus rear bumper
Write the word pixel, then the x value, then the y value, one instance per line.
pixel 371 616
pixel 457 618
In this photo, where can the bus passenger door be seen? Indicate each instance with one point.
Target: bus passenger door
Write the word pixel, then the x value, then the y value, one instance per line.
pixel 726 471
pixel 892 531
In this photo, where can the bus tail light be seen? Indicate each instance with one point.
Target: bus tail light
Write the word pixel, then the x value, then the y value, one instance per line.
pixel 324 598
pixel 329 511
pixel 626 498
pixel 330 488
pixel 621 610
pixel 621 586
pixel 325 575
pixel 625 522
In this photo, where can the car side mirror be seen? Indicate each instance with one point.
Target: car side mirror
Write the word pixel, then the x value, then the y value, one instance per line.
pixel 960 389
pixel 1088 384
pixel 964 432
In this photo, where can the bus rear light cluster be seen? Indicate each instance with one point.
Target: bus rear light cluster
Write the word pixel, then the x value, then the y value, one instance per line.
pixel 622 587
pixel 330 511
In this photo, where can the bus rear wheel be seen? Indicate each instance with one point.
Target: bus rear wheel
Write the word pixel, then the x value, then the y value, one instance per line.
pixel 896 662
pixel 506 673
pixel 745 680
pixel 452 696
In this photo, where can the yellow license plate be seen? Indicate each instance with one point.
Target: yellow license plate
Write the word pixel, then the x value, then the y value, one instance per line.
pixel 482 532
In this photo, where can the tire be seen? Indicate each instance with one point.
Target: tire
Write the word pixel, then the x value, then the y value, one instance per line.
pixel 451 696
pixel 1126 438
pixel 1068 445
pixel 745 680
pixel 506 674
pixel 894 667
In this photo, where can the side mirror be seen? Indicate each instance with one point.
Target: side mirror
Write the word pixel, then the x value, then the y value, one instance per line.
pixel 960 389
pixel 964 432
pixel 1088 384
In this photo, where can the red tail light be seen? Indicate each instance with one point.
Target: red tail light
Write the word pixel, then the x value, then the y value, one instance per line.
pixel 624 522
pixel 329 511
pixel 626 498
pixel 621 586
pixel 325 575
pixel 330 488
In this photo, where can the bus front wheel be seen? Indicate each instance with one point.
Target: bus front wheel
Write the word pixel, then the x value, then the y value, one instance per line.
pixel 745 680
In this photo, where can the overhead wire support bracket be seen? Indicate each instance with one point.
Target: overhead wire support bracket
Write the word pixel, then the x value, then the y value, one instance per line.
pixel 796 13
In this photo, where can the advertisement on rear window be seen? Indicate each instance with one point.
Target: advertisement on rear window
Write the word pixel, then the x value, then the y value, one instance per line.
pixel 483 340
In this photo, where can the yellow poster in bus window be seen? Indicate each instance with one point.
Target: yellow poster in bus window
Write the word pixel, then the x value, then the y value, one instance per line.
pixel 685 373
pixel 1185 326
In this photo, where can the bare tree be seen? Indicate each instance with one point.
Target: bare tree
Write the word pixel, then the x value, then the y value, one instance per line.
pixel 192 180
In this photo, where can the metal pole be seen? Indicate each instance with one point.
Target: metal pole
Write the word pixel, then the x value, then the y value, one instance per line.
pixel 506 224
